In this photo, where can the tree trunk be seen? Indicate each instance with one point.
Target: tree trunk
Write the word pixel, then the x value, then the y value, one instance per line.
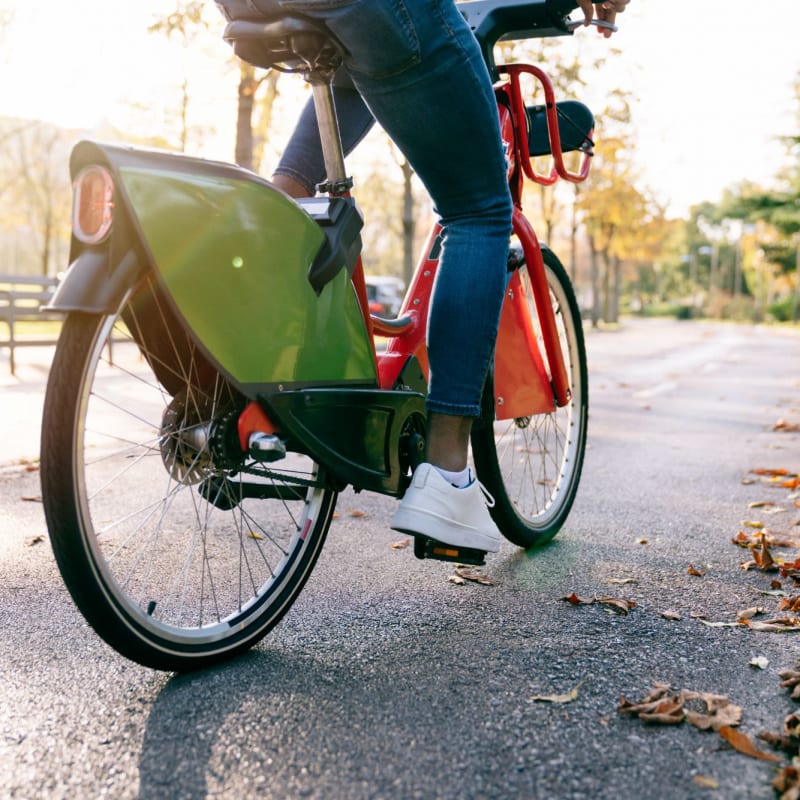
pixel 244 116
pixel 595 281
pixel 408 222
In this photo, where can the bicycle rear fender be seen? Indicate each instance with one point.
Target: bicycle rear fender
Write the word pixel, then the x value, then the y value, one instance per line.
pixel 231 253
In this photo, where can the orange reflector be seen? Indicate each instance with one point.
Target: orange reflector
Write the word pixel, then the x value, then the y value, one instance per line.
pixel 445 551
pixel 92 204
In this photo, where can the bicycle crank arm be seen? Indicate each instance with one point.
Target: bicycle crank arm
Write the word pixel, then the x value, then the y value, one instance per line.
pixel 227 494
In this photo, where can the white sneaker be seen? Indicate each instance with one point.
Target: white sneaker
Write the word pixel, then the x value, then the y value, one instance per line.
pixel 434 508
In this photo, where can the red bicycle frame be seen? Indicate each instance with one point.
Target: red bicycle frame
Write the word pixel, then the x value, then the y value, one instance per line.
pixel 524 382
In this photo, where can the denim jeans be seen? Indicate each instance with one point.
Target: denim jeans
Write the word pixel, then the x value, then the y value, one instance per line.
pixel 419 70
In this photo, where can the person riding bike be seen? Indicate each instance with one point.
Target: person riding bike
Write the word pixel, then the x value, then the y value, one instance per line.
pixel 416 68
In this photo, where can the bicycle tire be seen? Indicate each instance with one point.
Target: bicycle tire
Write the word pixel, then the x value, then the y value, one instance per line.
pixel 532 465
pixel 164 575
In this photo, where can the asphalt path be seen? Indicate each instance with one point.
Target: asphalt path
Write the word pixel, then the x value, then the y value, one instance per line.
pixel 386 680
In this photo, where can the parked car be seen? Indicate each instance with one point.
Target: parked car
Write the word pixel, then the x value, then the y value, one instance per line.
pixel 385 295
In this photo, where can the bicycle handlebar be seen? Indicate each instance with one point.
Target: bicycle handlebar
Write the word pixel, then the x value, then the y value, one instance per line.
pixel 494 21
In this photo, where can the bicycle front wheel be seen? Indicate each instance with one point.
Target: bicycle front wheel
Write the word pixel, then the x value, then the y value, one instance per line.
pixel 178 553
pixel 532 465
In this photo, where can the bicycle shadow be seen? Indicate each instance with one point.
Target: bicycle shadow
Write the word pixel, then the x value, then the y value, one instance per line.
pixel 333 706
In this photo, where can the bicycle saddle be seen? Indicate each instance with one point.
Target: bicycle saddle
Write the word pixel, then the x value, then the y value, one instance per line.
pixel 265 34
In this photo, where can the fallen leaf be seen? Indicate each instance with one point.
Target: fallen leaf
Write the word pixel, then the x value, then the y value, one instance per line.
pixel 32 498
pixel 32 540
pixel 787 783
pixel 574 600
pixel 456 580
pixel 759 662
pixel 786 427
pixel 716 712
pixel 697 572
pixel 781 625
pixel 748 523
pixel 354 512
pixel 749 613
pixel 641 541
pixel 790 679
pixel 770 472
pixel 617 604
pixel 705 782
pixel 557 698
pixel 474 575
pixel 742 743
pixel 401 545
pixel 254 535
pixel 675 615
pixel 720 624
pixel 790 604
pixel 760 504
pixel 622 581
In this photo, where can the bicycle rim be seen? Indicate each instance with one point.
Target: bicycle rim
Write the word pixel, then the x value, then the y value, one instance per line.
pixel 532 465
pixel 176 557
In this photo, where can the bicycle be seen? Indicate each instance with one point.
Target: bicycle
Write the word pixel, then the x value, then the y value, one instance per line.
pixel 208 399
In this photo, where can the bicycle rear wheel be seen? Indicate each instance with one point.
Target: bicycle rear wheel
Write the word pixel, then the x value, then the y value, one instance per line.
pixel 532 465
pixel 178 551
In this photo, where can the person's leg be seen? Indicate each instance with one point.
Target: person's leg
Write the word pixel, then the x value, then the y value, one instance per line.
pixel 301 166
pixel 427 85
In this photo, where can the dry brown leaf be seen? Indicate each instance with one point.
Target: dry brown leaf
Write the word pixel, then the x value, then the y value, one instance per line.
pixel 749 613
pixel 400 545
pixel 719 624
pixel 759 662
pixel 790 604
pixel 752 524
pixel 574 600
pixel 780 741
pixel 673 615
pixel 617 604
pixel 33 540
pixel 770 472
pixel 742 743
pixel 760 504
pixel 787 782
pixel 622 581
pixel 354 512
pixel 614 603
pixel 705 782
pixel 694 571
pixel 474 575
pixel 641 541
pixel 456 580
pixel 558 698
pixel 780 625
pixel 785 426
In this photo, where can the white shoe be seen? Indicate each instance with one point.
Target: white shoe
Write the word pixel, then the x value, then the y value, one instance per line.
pixel 434 508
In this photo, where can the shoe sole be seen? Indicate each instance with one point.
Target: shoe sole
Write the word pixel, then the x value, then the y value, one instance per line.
pixel 419 522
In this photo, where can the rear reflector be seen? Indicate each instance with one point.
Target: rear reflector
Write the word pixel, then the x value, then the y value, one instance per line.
pixel 92 204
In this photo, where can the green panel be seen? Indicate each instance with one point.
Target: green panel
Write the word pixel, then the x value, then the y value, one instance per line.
pixel 234 256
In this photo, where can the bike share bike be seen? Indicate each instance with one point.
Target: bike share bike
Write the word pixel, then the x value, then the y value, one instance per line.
pixel 216 383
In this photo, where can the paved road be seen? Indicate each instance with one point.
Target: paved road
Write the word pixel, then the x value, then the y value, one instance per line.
pixel 387 681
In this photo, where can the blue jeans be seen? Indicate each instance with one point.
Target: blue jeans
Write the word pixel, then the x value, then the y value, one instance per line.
pixel 419 70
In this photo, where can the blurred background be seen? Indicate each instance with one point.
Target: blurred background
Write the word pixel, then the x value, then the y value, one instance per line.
pixel 692 207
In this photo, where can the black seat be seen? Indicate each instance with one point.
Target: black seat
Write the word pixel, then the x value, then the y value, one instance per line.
pixel 265 34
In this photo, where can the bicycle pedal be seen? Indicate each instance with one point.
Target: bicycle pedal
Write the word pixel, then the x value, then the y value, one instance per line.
pixel 266 447
pixel 424 547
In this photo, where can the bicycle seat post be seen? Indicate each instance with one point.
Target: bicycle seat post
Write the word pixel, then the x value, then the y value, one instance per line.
pixel 336 182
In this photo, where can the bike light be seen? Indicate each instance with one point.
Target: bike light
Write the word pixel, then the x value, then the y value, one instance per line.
pixel 92 204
